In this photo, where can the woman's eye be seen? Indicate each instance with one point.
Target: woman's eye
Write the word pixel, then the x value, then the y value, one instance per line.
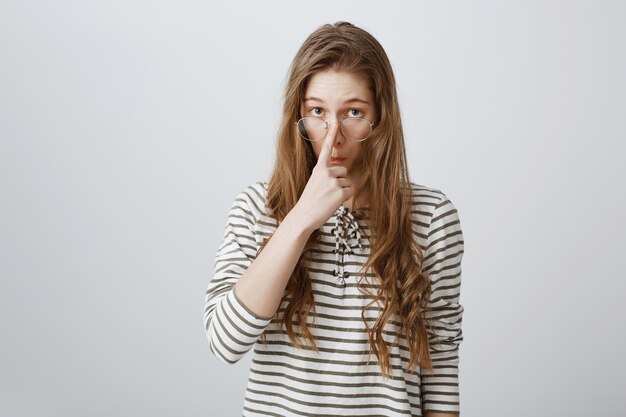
pixel 313 110
pixel 358 111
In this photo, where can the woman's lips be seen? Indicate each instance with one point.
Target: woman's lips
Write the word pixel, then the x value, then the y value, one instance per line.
pixel 333 159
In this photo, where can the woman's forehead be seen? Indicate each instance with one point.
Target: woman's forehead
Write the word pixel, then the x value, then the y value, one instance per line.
pixel 338 87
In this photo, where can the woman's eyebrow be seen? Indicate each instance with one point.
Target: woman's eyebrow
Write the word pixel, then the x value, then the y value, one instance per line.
pixel 351 100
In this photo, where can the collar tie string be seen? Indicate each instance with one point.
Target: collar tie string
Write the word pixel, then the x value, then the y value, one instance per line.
pixel 347 237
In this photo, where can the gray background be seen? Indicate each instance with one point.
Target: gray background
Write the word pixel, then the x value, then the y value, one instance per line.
pixel 128 127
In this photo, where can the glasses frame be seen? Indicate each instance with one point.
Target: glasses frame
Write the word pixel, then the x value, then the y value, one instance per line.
pixel 340 127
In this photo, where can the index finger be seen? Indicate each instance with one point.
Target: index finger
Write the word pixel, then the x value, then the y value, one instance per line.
pixel 326 150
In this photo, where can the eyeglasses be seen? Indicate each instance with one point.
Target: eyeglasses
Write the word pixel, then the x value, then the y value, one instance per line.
pixel 354 128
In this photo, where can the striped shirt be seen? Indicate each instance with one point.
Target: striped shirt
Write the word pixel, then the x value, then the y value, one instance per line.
pixel 289 381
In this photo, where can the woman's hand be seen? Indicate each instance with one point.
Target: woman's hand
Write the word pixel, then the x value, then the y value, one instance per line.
pixel 326 189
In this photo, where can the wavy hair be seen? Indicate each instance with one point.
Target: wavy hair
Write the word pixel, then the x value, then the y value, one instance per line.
pixel 395 257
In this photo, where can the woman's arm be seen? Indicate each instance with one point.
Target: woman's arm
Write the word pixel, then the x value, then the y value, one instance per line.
pixel 235 320
pixel 442 263
pixel 261 287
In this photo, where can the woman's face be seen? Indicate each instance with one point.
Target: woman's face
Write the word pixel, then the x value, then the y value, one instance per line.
pixel 333 96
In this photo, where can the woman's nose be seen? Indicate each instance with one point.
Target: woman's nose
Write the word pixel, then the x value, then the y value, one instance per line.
pixel 334 129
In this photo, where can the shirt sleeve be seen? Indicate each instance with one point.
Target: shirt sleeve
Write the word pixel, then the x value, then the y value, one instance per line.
pixel 442 263
pixel 231 327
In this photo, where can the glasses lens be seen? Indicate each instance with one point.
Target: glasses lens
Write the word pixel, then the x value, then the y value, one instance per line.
pixel 356 129
pixel 312 128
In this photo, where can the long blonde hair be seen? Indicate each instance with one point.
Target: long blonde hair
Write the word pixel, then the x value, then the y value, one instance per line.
pixel 395 256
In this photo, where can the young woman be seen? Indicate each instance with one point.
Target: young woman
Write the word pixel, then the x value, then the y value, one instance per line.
pixel 341 273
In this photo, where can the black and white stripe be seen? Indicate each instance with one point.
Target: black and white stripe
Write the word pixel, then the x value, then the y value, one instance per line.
pixel 337 380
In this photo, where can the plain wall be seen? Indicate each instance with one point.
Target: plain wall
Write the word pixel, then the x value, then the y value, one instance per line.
pixel 127 128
